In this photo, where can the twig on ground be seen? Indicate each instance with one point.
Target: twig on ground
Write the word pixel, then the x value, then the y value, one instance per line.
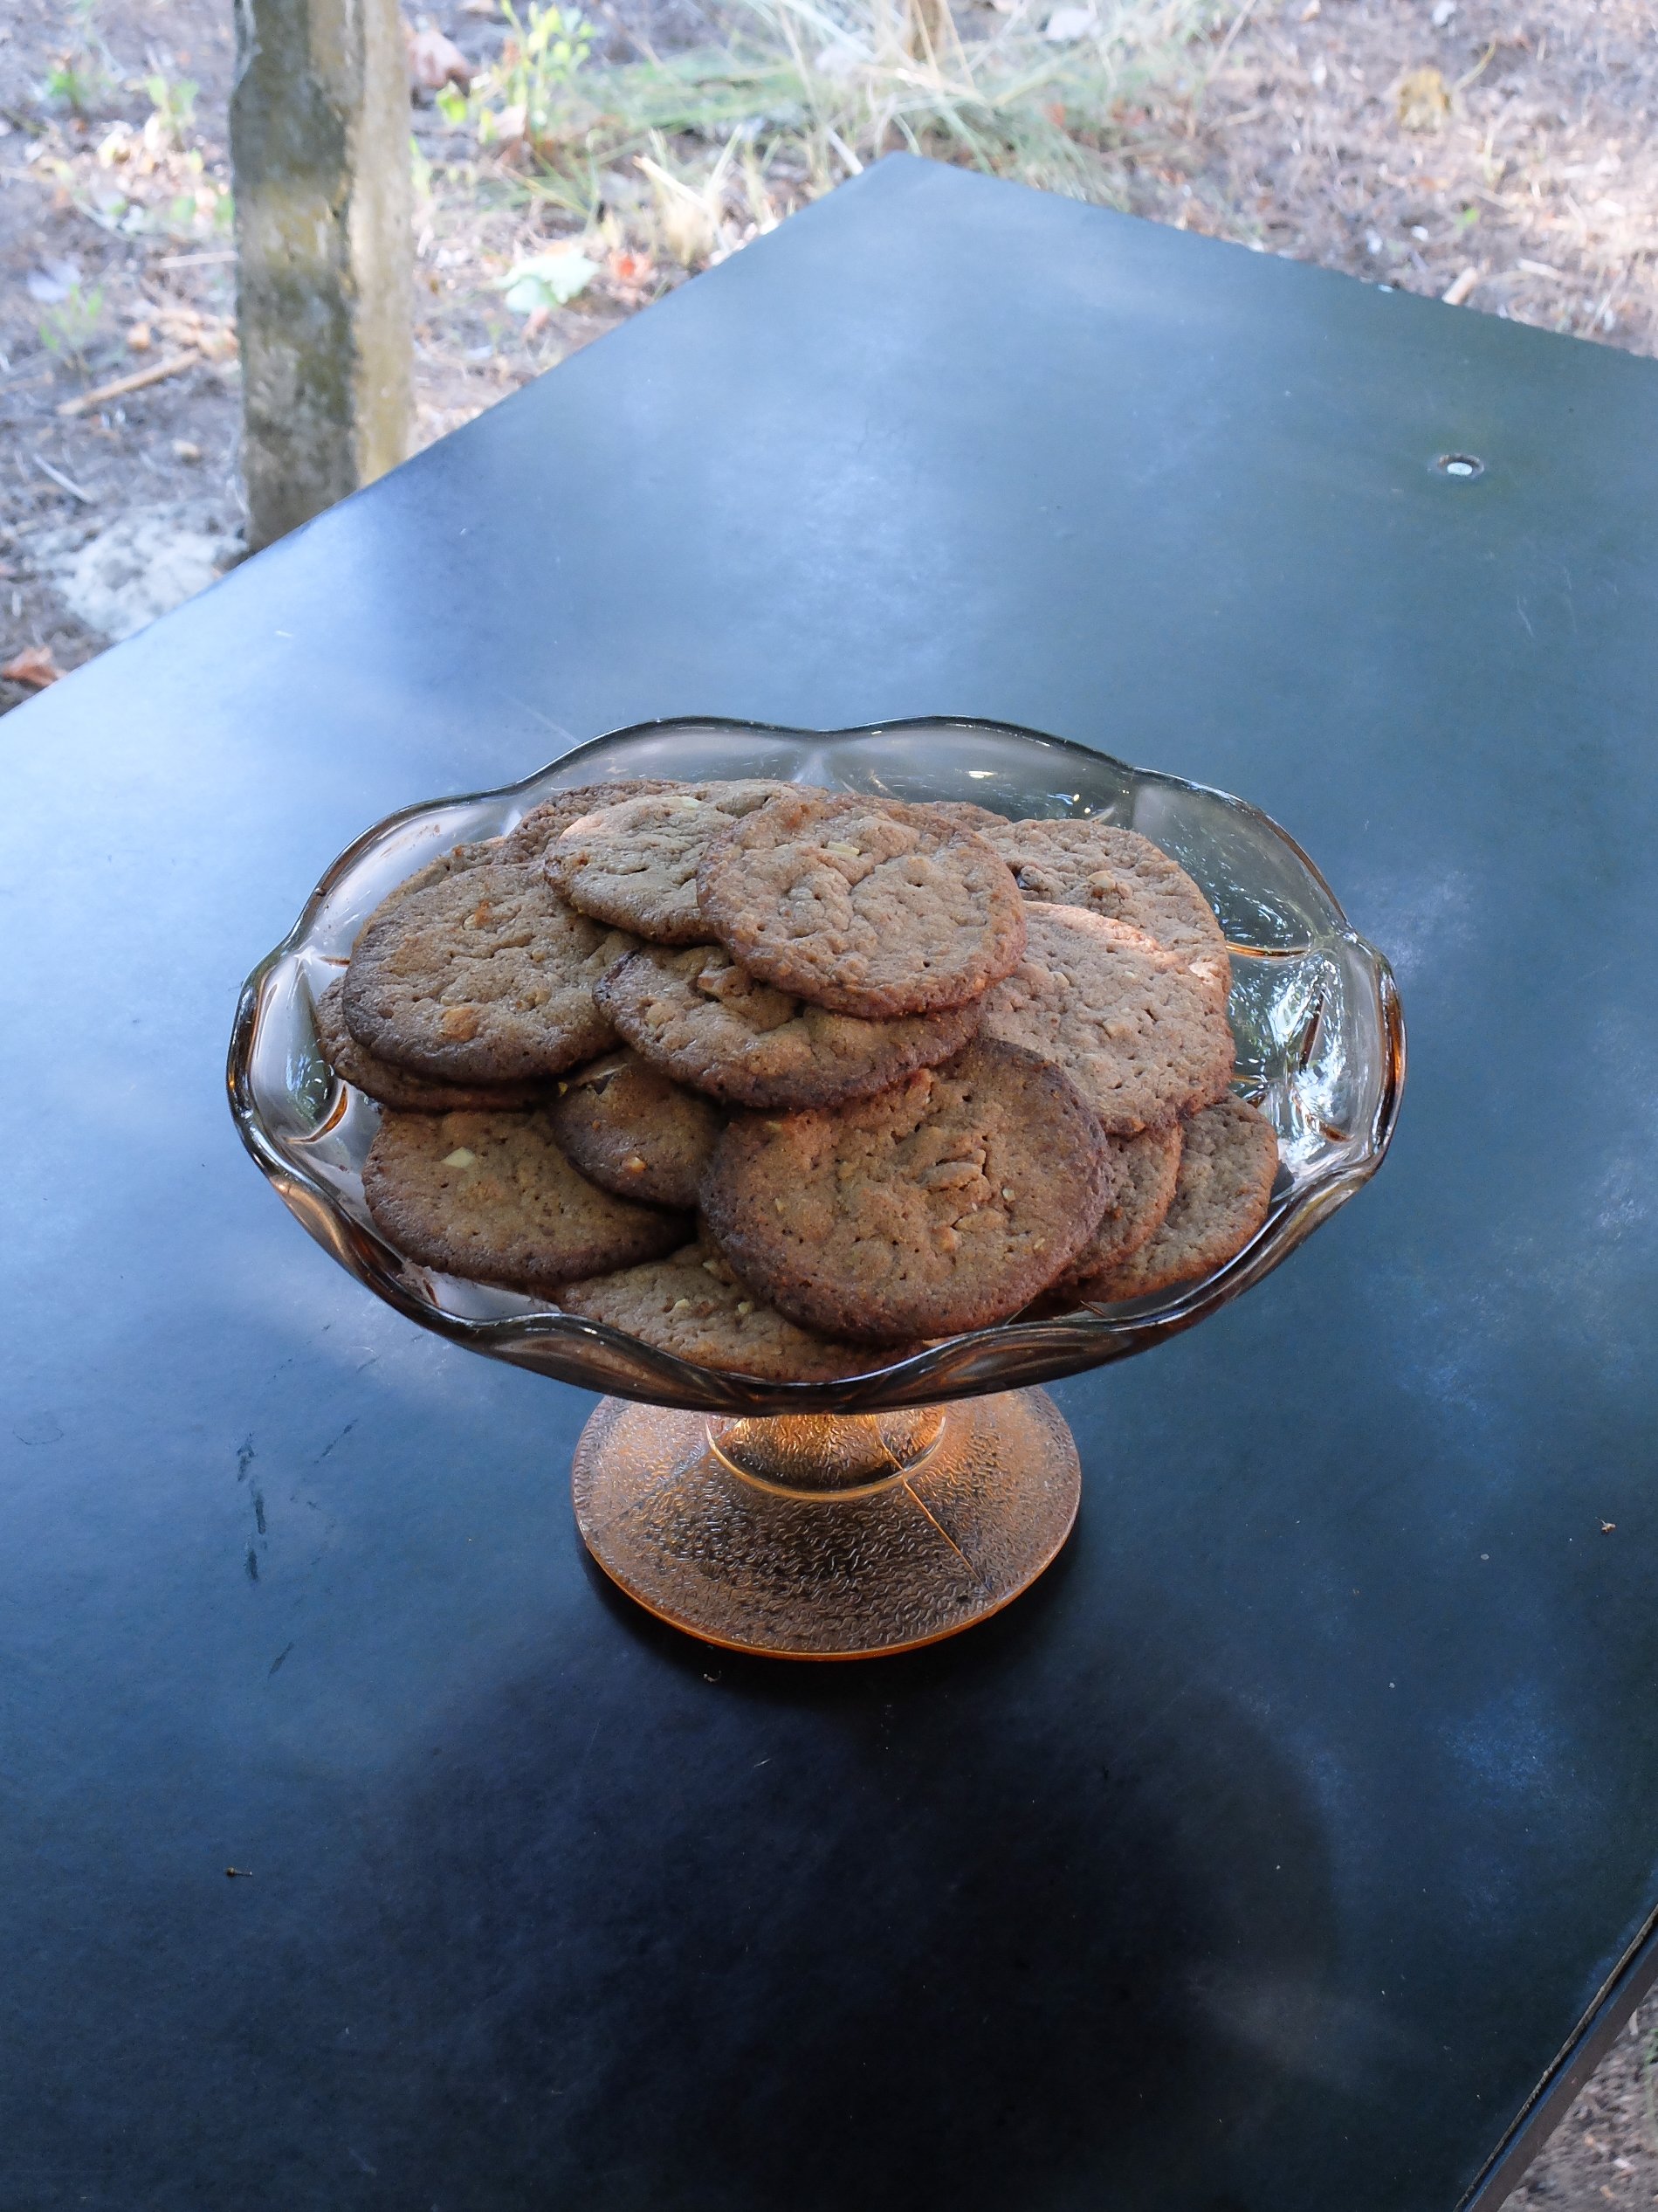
pixel 58 477
pixel 1238 22
pixel 1462 83
pixel 122 385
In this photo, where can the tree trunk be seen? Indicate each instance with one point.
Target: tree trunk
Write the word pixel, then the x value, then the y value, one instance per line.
pixel 320 147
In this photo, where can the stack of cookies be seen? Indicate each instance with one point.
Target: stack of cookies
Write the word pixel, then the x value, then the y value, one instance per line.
pixel 769 1077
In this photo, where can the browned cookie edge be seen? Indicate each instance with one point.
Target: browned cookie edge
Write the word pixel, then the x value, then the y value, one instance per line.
pixel 1229 1159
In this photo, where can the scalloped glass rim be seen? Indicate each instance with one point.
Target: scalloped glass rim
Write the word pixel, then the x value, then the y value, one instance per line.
pixel 1321 1045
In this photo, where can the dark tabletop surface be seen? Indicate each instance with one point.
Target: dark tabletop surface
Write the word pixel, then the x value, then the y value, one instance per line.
pixel 1268 1854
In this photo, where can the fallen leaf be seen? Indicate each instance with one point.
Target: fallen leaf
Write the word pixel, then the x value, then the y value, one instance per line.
pixel 435 61
pixel 34 665
pixel 1424 101
pixel 547 280
pixel 140 338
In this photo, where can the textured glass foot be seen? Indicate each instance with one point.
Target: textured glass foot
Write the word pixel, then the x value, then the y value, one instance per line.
pixel 827 1536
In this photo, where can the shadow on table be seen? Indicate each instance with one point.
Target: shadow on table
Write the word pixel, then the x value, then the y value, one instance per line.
pixel 869 1936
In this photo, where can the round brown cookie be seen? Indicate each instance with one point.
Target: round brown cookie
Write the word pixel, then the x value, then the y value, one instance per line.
pixel 1143 1042
pixel 945 1203
pixel 491 1197
pixel 1126 877
pixel 397 1086
pixel 631 1131
pixel 1151 1163
pixel 486 976
pixel 635 865
pixel 692 1304
pixel 1227 1159
pixel 553 816
pixel 696 1013
pixel 862 905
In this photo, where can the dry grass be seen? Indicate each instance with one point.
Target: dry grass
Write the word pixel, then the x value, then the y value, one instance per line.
pixel 1502 158
pixel 826 86
pixel 797 94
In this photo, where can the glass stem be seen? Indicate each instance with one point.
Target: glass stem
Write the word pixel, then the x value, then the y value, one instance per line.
pixel 821 1455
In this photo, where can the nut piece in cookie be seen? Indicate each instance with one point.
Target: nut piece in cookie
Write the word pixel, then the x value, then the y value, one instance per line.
pixel 694 1013
pixel 1151 1165
pixel 1126 879
pixel 1228 1156
pixel 490 1196
pixel 1143 1042
pixel 863 905
pixel 692 1304
pixel 945 1203
pixel 486 976
pixel 397 1086
pixel 635 865
pixel 630 1130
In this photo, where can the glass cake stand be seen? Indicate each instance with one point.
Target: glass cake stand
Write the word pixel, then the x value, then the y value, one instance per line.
pixel 840 1519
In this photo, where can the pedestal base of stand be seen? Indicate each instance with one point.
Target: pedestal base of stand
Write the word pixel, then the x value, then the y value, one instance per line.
pixel 832 1536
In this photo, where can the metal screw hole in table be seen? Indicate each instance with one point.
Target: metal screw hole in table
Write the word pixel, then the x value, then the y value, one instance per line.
pixel 1464 466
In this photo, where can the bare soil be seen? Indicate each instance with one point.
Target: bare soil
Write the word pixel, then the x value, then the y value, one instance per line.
pixel 1498 151
pixel 1536 186
pixel 1606 2150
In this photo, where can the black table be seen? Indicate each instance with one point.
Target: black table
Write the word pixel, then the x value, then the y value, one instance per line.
pixel 1275 1850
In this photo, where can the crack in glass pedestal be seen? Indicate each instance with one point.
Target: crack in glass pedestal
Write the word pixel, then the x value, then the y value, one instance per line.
pixel 889 1509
